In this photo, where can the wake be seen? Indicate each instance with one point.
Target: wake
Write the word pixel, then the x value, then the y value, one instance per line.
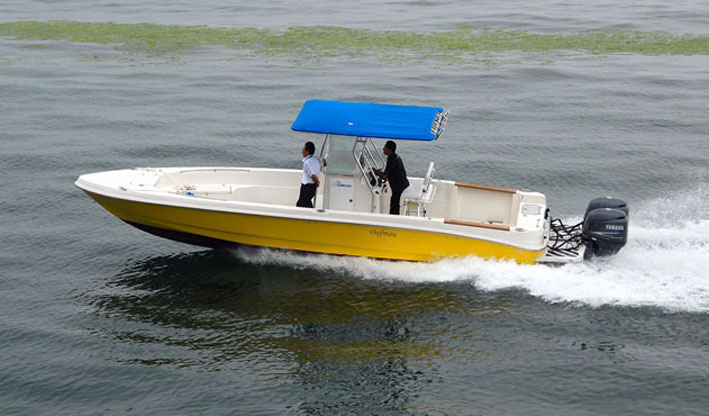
pixel 665 264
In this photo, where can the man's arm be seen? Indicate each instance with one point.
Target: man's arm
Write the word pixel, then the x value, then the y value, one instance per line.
pixel 310 172
pixel 386 172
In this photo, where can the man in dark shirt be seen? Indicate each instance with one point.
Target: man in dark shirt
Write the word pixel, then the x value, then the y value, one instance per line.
pixel 395 174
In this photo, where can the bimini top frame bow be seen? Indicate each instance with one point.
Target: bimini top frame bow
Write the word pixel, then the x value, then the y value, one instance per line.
pixel 382 121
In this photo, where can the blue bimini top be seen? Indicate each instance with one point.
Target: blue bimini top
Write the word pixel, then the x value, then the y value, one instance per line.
pixel 371 120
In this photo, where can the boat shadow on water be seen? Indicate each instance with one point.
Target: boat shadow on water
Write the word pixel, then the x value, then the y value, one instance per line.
pixel 215 311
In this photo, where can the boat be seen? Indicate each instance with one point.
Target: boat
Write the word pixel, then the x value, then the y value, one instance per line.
pixel 246 206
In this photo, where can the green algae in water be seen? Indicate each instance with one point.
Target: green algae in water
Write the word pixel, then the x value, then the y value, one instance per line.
pixel 322 42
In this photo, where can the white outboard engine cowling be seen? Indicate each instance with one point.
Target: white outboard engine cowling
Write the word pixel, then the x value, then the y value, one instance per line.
pixel 605 227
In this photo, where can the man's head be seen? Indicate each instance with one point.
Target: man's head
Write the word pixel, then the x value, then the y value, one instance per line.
pixel 308 149
pixel 389 147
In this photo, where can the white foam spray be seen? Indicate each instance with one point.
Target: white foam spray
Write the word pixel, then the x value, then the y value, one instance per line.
pixel 665 264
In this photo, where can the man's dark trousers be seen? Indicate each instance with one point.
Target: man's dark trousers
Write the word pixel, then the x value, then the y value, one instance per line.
pixel 307 192
pixel 395 201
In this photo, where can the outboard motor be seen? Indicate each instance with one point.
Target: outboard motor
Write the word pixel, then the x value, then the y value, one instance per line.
pixel 605 227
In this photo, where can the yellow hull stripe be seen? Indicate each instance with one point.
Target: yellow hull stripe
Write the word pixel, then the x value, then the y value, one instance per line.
pixel 313 236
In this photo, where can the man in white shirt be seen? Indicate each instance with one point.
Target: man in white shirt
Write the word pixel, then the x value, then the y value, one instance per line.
pixel 310 182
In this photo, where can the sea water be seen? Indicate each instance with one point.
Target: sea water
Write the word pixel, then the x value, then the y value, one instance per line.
pixel 575 100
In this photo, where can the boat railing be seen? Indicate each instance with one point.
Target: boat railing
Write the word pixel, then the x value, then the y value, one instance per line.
pixel 378 153
pixel 367 163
